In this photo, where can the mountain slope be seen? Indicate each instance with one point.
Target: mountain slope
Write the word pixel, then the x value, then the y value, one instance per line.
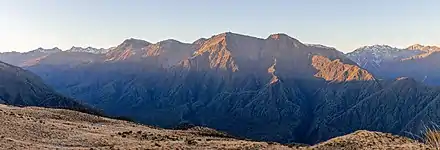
pixel 43 128
pixel 389 110
pixel 23 88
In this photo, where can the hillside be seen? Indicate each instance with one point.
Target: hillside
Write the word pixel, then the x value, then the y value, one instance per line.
pixel 43 128
pixel 23 88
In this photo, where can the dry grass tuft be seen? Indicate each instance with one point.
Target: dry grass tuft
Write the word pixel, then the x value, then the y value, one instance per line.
pixel 432 138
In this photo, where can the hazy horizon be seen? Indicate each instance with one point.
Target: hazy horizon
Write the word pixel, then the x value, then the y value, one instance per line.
pixel 345 25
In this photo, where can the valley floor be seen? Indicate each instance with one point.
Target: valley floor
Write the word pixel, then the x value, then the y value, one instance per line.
pixel 43 128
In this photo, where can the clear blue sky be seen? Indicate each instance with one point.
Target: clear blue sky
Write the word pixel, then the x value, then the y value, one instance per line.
pixel 344 24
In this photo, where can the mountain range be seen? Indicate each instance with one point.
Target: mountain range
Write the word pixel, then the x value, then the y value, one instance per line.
pixel 416 61
pixel 273 89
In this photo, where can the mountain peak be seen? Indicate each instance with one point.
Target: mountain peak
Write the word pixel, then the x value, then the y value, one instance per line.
pixel 230 35
pixel 88 50
pixel 377 47
pixel 423 47
pixel 283 37
pixel 169 41
pixel 132 43
pixel 135 41
pixel 415 46
pixel 277 36
pixel 42 50
pixel 200 41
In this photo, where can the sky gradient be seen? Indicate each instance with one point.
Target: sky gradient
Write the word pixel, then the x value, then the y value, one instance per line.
pixel 344 24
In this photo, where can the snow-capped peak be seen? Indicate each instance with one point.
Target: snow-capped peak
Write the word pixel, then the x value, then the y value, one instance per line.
pixel 373 56
pixel 88 50
pixel 380 48
pixel 42 50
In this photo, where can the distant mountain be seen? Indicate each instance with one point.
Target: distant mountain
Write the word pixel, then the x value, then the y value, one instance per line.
pixel 47 51
pixel 75 55
pixel 88 50
pixel 275 88
pixel 127 49
pixel 372 57
pixel 416 61
pixel 28 58
pixel 166 53
pixel 423 48
pixel 22 88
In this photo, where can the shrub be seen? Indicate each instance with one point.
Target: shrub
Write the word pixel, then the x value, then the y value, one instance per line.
pixel 191 141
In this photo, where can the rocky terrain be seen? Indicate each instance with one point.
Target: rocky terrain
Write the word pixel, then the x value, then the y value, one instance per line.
pixel 44 128
pixel 269 89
